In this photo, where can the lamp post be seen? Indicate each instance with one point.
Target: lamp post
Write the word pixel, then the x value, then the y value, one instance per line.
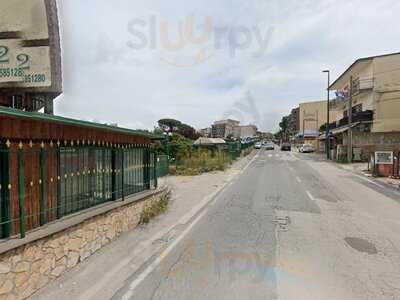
pixel 327 131
pixel 168 136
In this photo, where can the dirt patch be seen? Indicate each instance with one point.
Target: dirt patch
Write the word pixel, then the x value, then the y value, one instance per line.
pixel 361 245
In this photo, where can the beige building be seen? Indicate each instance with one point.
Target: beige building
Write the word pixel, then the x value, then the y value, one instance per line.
pixel 313 115
pixel 224 128
pixel 245 131
pixel 372 84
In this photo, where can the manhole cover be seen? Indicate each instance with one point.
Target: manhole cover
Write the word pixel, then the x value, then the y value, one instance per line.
pixel 361 245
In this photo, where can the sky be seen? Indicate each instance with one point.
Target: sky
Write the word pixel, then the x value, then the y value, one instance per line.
pixel 134 62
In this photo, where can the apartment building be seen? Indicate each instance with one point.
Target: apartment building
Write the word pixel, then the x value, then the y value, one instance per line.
pixel 224 128
pixel 371 87
pixel 312 116
pixel 245 131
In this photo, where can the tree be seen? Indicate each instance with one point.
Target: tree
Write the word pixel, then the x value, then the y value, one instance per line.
pixel 176 126
pixel 180 147
pixel 169 125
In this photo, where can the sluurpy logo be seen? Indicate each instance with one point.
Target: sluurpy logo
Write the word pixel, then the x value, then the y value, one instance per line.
pixel 189 44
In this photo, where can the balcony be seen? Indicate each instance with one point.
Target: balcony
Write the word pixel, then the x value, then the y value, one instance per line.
pixel 359 117
pixel 362 85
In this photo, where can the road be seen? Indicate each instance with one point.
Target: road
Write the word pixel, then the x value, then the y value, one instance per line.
pixel 287 228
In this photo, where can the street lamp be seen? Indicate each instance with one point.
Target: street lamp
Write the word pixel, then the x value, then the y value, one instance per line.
pixel 327 137
pixel 168 136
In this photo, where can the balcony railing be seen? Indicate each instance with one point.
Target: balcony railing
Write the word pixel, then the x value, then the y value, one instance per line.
pixel 364 116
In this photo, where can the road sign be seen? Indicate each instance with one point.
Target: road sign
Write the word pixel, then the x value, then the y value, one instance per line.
pixel 384 157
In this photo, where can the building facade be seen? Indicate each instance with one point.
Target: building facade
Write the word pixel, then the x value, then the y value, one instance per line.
pixel 224 128
pixel 245 131
pixel 368 92
pixel 206 132
pixel 312 116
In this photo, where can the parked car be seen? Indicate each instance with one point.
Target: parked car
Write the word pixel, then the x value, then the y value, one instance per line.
pixel 258 146
pixel 307 148
pixel 269 146
pixel 286 147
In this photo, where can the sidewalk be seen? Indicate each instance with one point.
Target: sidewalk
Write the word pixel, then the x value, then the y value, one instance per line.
pixel 360 169
pixel 100 276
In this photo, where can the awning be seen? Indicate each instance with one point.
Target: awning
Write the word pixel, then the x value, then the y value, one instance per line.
pixel 343 128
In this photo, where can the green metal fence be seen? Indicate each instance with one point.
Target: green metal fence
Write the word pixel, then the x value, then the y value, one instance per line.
pixel 43 183
pixel 162 165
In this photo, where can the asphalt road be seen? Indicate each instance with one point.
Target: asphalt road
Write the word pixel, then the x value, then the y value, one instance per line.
pixel 274 208
pixel 230 252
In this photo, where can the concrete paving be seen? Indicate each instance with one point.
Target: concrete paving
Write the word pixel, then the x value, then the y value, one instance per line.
pixel 286 226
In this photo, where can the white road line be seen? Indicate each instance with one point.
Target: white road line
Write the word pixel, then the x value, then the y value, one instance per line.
pixel 310 196
pixel 250 162
pixel 160 258
pixel 370 181
pixel 298 179
pixel 270 155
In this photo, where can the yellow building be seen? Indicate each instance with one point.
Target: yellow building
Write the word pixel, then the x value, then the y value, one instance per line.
pixel 313 115
pixel 372 85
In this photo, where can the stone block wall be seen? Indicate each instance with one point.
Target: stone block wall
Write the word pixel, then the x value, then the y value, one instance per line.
pixel 25 270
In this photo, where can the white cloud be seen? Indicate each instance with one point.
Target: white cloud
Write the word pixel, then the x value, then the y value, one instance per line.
pixel 107 80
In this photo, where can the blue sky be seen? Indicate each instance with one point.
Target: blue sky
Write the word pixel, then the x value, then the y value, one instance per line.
pixel 108 80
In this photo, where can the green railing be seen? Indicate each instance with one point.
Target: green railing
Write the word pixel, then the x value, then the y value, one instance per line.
pixel 43 183
pixel 162 165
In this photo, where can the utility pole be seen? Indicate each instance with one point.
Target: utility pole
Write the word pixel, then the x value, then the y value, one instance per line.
pixel 350 131
pixel 304 126
pixel 327 131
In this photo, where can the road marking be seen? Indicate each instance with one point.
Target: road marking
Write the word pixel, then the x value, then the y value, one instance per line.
pixel 370 181
pixel 310 196
pixel 298 179
pixel 160 258
pixel 250 162
pixel 270 155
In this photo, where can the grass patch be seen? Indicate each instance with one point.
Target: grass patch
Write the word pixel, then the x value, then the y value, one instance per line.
pixel 202 161
pixel 156 208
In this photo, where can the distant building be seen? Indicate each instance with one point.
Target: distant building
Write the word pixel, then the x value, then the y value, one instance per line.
pixel 210 143
pixel 313 115
pixel 265 135
pixel 206 132
pixel 224 128
pixel 245 131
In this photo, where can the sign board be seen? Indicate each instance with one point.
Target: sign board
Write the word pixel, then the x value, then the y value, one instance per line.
pixel 383 157
pixel 29 44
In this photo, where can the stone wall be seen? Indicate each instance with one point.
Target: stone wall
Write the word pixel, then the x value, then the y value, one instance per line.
pixel 26 269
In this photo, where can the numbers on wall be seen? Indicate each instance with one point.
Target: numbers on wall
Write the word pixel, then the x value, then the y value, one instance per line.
pixel 4 54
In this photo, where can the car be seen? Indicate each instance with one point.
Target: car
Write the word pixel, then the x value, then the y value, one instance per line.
pixel 307 148
pixel 269 146
pixel 258 146
pixel 286 147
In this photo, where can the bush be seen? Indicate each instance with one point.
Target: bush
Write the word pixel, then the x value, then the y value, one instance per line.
pixel 202 161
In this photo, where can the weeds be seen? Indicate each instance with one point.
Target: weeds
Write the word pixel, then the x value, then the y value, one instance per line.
pixel 202 161
pixel 156 208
